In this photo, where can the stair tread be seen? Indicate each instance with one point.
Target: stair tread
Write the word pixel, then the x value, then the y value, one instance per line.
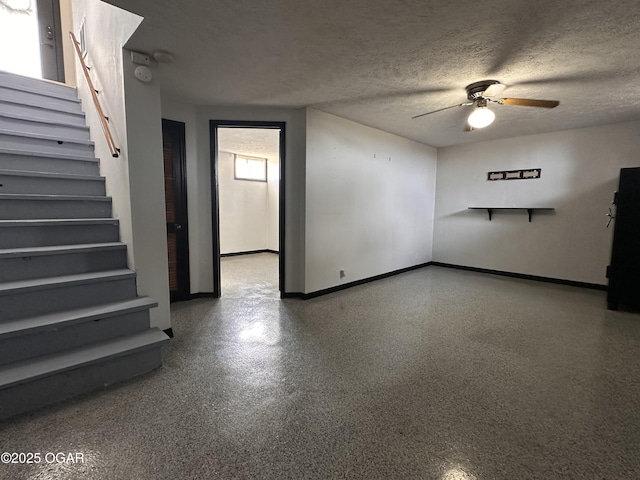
pixel 70 93
pixel 66 176
pixel 39 136
pixel 60 249
pixel 74 107
pixel 56 221
pixel 10 288
pixel 47 121
pixel 32 369
pixel 35 196
pixel 69 317
pixel 60 156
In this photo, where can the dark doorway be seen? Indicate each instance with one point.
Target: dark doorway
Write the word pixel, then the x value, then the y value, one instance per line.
pixel 175 194
pixel 215 203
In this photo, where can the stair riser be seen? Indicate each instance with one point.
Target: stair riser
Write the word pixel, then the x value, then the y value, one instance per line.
pixel 66 297
pixel 44 114
pixel 47 209
pixel 48 235
pixel 51 186
pixel 41 266
pixel 45 391
pixel 62 104
pixel 49 129
pixel 39 145
pixel 9 161
pixel 46 342
pixel 28 83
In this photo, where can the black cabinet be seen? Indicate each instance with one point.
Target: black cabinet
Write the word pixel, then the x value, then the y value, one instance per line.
pixel 624 271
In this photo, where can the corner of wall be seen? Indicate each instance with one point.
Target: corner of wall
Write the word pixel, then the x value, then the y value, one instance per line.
pixel 68 53
pixel 134 180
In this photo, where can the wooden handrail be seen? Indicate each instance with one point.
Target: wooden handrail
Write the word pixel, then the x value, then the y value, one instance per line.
pixel 115 151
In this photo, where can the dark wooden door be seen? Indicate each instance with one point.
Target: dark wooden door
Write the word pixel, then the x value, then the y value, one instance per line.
pixel 175 194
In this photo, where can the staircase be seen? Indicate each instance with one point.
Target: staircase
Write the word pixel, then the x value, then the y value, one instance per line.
pixel 70 317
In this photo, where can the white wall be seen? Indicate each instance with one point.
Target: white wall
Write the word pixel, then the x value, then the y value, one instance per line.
pixel 244 210
pixel 369 201
pixel 135 179
pixel 580 170
pixel 146 174
pixel 295 186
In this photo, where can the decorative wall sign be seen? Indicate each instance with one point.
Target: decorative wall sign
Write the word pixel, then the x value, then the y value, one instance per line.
pixel 515 174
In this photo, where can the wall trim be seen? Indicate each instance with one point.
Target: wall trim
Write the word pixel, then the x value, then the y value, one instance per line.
pixel 560 281
pixel 337 288
pixel 248 252
pixel 299 295
pixel 193 296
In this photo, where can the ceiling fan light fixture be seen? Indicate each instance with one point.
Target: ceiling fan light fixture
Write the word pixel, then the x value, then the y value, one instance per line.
pixel 481 117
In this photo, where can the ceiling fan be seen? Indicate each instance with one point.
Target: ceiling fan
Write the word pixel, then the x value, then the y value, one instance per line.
pixel 480 94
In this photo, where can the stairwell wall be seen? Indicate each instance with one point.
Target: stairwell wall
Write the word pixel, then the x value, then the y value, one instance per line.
pixel 134 119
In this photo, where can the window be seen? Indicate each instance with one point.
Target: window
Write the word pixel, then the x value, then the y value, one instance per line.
pixel 250 168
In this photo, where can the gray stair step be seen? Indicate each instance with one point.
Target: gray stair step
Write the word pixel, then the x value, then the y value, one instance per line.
pixel 26 206
pixel 70 318
pixel 38 262
pixel 36 85
pixel 52 378
pixel 43 126
pixel 49 333
pixel 20 159
pixel 22 372
pixel 75 117
pixel 39 99
pixel 33 297
pixel 40 233
pixel 45 144
pixel 46 183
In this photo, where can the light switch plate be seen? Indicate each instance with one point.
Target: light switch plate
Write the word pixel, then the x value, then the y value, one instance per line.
pixel 140 58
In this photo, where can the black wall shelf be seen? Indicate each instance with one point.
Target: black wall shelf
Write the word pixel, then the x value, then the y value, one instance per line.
pixel 529 210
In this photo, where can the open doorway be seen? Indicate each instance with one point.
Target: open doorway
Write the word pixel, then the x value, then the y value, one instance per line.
pixel 247 207
pixel 32 28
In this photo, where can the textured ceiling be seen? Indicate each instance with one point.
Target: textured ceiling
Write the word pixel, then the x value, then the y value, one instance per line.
pixel 382 62
pixel 254 142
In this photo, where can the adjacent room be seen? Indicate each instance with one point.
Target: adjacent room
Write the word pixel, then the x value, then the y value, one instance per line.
pixel 248 191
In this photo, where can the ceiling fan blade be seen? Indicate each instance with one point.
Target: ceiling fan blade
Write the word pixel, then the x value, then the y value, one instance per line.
pixel 441 109
pixel 529 102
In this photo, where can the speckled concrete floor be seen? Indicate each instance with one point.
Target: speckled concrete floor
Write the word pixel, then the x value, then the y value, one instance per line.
pixel 434 374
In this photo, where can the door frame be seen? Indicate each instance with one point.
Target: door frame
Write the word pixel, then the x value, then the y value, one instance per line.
pixel 58 53
pixel 215 209
pixel 177 131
